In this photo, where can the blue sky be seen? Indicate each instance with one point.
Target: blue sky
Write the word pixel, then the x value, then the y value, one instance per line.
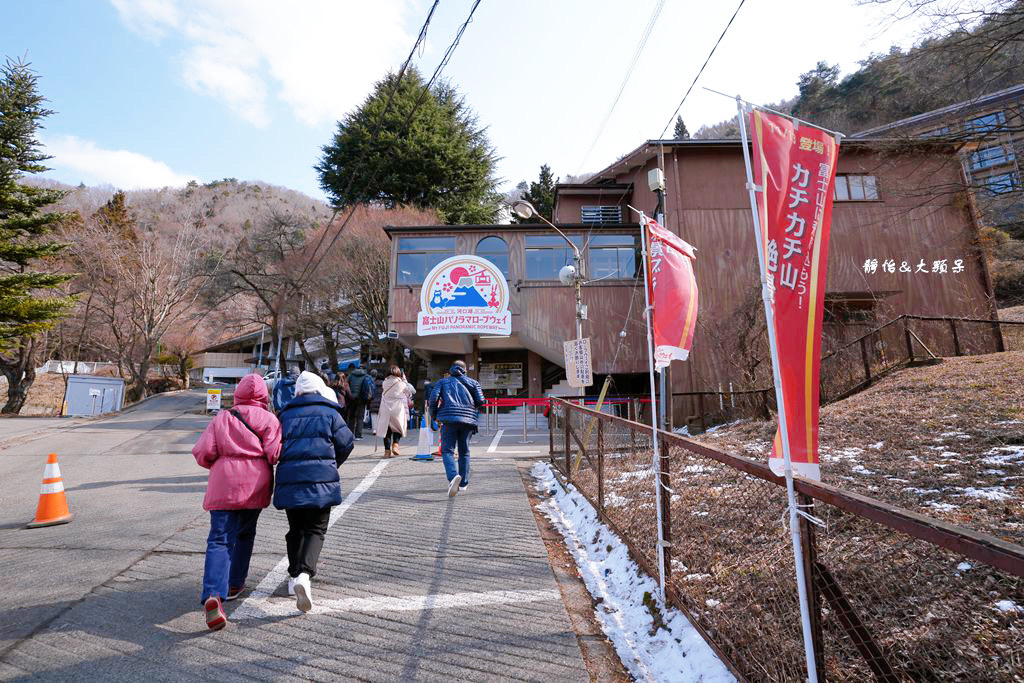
pixel 156 92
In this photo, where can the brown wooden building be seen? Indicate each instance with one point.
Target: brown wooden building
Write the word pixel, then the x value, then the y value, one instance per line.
pixel 895 201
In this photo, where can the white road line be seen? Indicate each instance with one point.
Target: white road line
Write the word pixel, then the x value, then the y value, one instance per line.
pixel 280 571
pixel 494 442
pixel 264 608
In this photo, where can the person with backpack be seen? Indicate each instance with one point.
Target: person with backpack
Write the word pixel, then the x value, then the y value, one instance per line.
pixel 284 391
pixel 315 442
pixel 240 447
pixel 361 386
pixel 455 402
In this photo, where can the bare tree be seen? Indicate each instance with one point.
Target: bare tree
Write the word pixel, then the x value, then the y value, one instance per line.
pixel 138 288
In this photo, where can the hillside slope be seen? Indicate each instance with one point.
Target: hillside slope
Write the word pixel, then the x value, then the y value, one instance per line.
pixel 945 440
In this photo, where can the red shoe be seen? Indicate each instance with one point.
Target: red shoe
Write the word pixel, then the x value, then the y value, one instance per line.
pixel 234 592
pixel 216 619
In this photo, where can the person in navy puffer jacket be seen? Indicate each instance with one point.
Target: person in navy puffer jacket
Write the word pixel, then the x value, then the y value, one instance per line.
pixel 314 442
pixel 456 402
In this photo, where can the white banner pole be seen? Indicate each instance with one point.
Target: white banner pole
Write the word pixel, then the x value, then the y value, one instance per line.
pixel 767 296
pixel 654 409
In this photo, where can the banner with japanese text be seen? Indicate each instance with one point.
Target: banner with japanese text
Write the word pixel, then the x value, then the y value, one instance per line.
pixel 673 293
pixel 794 177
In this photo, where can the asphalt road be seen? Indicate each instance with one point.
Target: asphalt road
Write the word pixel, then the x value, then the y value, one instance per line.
pixel 412 585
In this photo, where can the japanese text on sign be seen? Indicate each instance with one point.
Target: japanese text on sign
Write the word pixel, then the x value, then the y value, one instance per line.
pixel 578 367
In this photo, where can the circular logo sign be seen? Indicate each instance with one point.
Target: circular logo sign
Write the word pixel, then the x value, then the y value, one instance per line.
pixel 464 295
pixel 464 284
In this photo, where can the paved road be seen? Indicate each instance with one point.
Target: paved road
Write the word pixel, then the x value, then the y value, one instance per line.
pixel 412 585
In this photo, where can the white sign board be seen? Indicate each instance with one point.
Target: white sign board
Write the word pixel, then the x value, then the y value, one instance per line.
pixel 578 367
pixel 501 375
pixel 464 295
pixel 95 392
pixel 213 399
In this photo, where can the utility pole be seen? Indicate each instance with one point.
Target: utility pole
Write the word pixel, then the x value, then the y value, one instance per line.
pixel 656 182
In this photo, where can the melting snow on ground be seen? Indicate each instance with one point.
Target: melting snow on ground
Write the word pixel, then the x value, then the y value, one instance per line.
pixel 676 652
pixel 1008 606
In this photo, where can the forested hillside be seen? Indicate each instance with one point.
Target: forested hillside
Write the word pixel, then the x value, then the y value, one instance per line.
pixel 954 64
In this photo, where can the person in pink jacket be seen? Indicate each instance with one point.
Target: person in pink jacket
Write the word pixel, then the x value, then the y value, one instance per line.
pixel 239 447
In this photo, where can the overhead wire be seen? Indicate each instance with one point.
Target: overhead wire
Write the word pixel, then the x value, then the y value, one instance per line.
pixel 374 133
pixel 641 44
pixel 688 90
pixel 406 124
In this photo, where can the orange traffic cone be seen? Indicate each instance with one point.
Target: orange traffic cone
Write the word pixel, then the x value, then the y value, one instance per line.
pixel 53 505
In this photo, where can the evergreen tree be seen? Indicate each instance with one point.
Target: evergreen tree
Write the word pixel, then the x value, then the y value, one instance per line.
pixel 680 132
pixel 409 146
pixel 542 195
pixel 25 307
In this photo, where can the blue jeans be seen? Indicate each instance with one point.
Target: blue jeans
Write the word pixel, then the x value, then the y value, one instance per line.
pixel 456 434
pixel 228 550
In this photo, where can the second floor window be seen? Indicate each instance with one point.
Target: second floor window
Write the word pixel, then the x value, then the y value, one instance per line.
pixel 856 188
pixel 494 250
pixel 417 255
pixel 613 256
pixel 987 123
pixel 987 157
pixel 546 254
pixel 1000 183
pixel 601 214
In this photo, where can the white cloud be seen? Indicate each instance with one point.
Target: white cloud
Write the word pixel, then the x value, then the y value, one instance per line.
pixel 77 160
pixel 319 57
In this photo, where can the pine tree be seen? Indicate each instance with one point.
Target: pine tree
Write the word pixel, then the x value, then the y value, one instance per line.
pixel 25 307
pixel 542 195
pixel 681 133
pixel 409 146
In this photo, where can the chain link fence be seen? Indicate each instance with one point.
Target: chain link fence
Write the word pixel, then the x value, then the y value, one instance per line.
pixel 895 596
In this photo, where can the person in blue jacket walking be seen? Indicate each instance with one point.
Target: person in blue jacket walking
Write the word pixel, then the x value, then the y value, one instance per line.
pixel 314 442
pixel 455 402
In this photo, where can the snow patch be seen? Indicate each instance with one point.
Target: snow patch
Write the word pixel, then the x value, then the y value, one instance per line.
pixel 860 469
pixel 1008 606
pixel 676 652
pixel 990 493
pixel 941 507
pixel 877 446
pixel 964 566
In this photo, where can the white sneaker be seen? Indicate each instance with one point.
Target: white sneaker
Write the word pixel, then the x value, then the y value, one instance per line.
pixel 303 593
pixel 453 486
pixel 291 586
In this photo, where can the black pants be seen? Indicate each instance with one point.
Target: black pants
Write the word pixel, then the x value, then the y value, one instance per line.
pixel 355 419
pixel 392 437
pixel 305 538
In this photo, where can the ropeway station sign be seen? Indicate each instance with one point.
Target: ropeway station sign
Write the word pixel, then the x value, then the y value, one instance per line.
pixel 464 295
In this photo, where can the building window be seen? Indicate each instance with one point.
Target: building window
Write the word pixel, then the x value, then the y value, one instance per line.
pixel 613 256
pixel 546 254
pixel 938 132
pixel 601 214
pixel 856 188
pixel 987 123
pixel 988 157
pixel 417 255
pixel 494 250
pixel 1000 183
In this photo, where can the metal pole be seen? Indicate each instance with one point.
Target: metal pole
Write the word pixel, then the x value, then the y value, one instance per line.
pixel 526 409
pixel 767 296
pixel 579 304
pixel 654 413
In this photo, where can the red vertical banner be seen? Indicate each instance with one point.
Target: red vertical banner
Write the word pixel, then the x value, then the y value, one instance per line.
pixel 794 174
pixel 673 292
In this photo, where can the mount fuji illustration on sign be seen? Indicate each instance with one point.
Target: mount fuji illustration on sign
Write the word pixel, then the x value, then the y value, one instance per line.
pixel 464 295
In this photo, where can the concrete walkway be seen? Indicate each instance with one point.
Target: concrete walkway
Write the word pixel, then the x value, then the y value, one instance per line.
pixel 412 585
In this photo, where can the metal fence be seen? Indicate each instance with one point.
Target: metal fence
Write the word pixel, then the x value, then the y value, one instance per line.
pixel 896 596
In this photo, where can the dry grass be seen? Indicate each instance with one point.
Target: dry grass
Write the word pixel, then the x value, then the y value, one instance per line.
pixel 945 440
pixel 1013 314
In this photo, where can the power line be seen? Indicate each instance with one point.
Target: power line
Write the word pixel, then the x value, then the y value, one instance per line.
pixel 641 44
pixel 420 38
pixel 672 118
pixel 405 127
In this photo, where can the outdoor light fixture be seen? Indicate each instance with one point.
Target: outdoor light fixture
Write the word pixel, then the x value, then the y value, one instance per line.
pixel 569 274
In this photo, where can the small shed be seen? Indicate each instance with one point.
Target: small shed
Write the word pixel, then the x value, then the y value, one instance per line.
pixel 90 395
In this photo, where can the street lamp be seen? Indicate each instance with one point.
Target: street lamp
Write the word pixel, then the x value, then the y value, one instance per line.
pixel 568 275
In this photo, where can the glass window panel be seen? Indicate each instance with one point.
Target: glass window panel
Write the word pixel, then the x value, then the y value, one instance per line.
pixel 842 191
pixel 495 250
pixel 426 244
pixel 1001 183
pixel 617 240
pixel 856 187
pixel 551 241
pixel 989 122
pixel 870 187
pixel 411 269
